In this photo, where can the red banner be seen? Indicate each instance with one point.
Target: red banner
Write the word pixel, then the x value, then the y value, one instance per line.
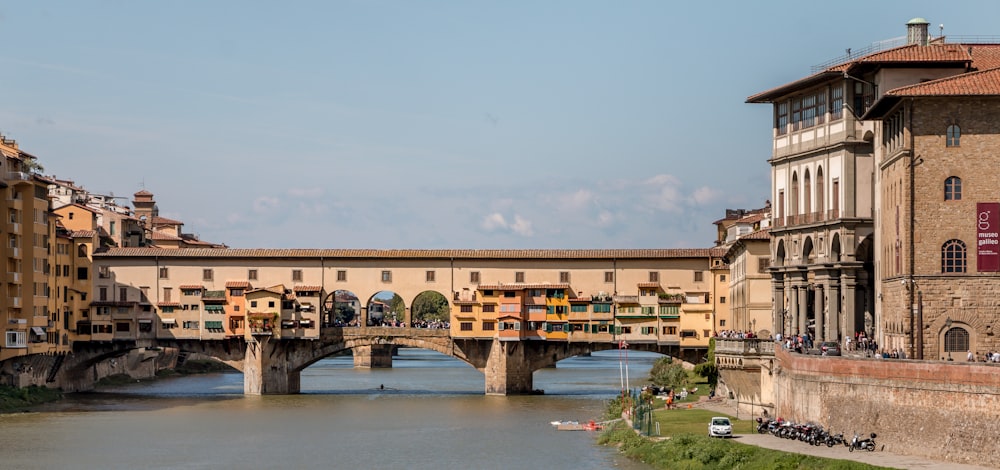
pixel 988 236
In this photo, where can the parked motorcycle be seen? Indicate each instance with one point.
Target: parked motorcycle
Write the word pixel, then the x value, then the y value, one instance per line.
pixel 862 444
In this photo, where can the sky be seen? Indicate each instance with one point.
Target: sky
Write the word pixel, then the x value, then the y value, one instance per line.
pixel 427 124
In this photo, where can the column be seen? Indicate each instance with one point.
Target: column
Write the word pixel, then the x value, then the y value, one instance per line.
pixel 833 301
pixel 803 314
pixel 778 304
pixel 265 371
pixel 376 356
pixel 849 284
pixel 818 312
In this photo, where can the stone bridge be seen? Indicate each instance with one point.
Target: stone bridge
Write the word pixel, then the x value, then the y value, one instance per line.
pixel 273 366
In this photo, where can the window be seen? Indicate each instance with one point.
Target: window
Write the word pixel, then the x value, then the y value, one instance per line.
pixel 564 277
pixel 465 309
pixel 602 308
pixel 342 275
pixel 465 326
pixel 81 274
pixel 609 276
pixel 956 340
pixel 489 325
pixel 953 135
pixel 781 118
pixel 626 330
pixel 191 325
pixel 722 299
pixel 166 294
pixel 102 294
pixel 81 251
pixel 252 274
pixel 430 276
pixel 206 274
pixel 122 326
pixel 699 276
pixel 670 330
pixel 474 277
pixel 386 276
pixel 270 304
pixel 123 294
pixel 836 103
pixel 722 323
pixel 722 277
pixel 953 189
pixel 578 308
pixel 519 276
pixel 654 276
pixel 953 257
pixel 489 308
pixel 236 292
pixel 296 275
pixel 164 273
pixel 103 272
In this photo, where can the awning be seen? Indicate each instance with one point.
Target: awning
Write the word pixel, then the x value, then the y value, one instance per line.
pixel 215 308
pixel 169 321
pixel 38 330
pixel 145 321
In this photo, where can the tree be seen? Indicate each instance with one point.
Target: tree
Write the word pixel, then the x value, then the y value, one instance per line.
pixel 708 369
pixel 430 306
pixel 666 373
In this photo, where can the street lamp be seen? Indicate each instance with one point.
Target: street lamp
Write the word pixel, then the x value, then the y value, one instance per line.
pixel 947 326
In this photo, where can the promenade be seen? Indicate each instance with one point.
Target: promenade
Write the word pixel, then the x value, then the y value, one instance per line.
pixel 881 458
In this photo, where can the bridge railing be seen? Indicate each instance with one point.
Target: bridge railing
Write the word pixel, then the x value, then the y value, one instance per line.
pixel 752 346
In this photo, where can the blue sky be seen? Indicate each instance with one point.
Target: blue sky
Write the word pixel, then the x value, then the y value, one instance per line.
pixel 434 124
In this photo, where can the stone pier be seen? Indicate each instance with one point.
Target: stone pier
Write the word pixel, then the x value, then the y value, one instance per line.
pixel 266 369
pixel 376 356
pixel 508 370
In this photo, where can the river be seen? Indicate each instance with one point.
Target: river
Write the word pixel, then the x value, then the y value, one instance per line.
pixel 427 412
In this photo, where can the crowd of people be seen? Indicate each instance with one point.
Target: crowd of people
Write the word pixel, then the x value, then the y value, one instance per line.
pixel 736 334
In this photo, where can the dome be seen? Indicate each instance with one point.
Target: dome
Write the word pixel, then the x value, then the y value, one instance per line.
pixel 918 20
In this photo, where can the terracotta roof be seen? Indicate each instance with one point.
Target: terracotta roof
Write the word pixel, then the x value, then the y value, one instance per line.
pixel 307 288
pixel 157 220
pixel 985 56
pixel 163 236
pixel 236 284
pixel 81 206
pixel 521 285
pixel 762 234
pixel 83 233
pixel 649 285
pixel 752 218
pixel 168 304
pixel 413 254
pixel 142 192
pixel 191 287
pixel 986 82
pixel 273 289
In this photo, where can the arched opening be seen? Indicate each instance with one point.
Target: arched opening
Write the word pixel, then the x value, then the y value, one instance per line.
pixel 807 251
pixel 835 248
pixel 820 195
pixel 794 209
pixel 430 309
pixel 956 341
pixel 386 308
pixel 343 308
pixel 807 195
pixel 779 254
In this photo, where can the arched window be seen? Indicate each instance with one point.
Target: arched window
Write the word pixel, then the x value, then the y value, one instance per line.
pixel 794 209
pixel 953 189
pixel 953 257
pixel 956 340
pixel 81 251
pixel 952 136
pixel 820 193
pixel 807 194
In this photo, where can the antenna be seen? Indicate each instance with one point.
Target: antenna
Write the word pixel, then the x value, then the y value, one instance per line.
pixel 941 29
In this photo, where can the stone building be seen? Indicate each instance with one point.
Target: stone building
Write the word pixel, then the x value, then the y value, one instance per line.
pixel 880 171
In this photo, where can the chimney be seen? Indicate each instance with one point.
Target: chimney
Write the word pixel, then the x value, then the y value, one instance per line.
pixel 916 32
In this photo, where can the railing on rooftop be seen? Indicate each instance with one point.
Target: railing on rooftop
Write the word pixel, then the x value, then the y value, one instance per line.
pixel 887 44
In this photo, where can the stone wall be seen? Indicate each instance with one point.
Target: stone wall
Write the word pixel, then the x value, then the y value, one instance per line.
pixel 925 408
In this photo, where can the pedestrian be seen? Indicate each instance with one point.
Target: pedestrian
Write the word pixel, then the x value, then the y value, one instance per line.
pixel 970 357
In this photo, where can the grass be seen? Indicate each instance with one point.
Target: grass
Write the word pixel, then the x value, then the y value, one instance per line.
pixel 16 399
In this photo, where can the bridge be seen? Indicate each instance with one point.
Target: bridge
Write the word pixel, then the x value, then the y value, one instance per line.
pixel 273 366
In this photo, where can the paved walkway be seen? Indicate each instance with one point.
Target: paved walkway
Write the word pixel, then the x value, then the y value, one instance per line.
pixel 880 458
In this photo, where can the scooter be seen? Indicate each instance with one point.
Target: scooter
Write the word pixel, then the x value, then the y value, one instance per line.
pixel 862 444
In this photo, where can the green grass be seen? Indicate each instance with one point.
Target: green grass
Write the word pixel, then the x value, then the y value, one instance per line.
pixel 686 451
pixel 14 399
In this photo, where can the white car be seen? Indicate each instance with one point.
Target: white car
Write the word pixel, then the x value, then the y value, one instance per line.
pixel 720 427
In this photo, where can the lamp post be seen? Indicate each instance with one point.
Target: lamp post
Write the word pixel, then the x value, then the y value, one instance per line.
pixel 947 326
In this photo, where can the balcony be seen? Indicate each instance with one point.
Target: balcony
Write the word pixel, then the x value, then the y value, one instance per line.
pixel 14 278
pixel 671 298
pixel 15 302
pixel 18 176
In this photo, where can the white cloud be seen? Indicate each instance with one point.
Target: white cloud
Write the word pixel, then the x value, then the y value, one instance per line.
pixel 577 200
pixel 265 204
pixel 306 193
pixel 705 195
pixel 522 226
pixel 493 222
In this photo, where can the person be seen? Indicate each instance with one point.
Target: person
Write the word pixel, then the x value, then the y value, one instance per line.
pixel 970 357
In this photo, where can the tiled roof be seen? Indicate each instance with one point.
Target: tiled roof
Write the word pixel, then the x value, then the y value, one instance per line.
pixel 982 83
pixel 762 234
pixel 168 304
pixel 163 236
pixel 157 220
pixel 752 218
pixel 192 287
pixel 985 56
pixel 142 192
pixel 236 284
pixel 649 285
pixel 413 254
pixel 307 288
pixel 521 285
pixel 83 233
pixel 273 289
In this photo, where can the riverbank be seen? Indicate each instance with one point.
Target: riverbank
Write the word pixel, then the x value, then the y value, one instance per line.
pixel 682 444
pixel 20 399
